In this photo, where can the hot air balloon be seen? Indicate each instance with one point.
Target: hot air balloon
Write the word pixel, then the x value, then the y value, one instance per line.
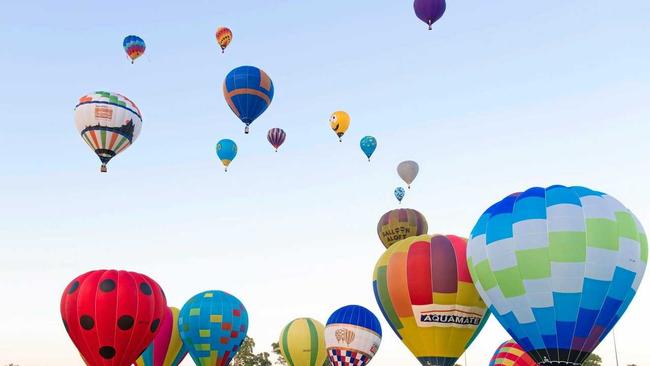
pixel 276 137
pixel 426 294
pixel 558 267
pixel 408 170
pixel 339 122
pixel 213 325
pixel 226 151
pixel 302 343
pixel 368 145
pixel 248 91
pixel 399 194
pixel 133 46
pixel 108 122
pixel 396 225
pixel 352 336
pixel 429 11
pixel 510 353
pixel 167 348
pixel 112 316
pixel 224 36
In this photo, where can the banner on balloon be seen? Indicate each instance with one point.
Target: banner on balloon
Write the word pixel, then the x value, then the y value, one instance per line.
pixel 349 336
pixel 448 316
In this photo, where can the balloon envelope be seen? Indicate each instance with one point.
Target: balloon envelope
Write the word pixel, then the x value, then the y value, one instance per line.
pixel 368 145
pixel 340 122
pixel 408 170
pixel 213 325
pixel 510 353
pixel 167 348
pixel 558 266
pixel 396 225
pixel 429 11
pixel 352 336
pixel 248 92
pixel 276 137
pixel 133 46
pixel 108 122
pixel 224 36
pixel 112 316
pixel 302 343
pixel 399 194
pixel 226 151
pixel 425 292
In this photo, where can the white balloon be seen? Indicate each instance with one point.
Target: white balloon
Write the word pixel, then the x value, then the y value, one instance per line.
pixel 408 170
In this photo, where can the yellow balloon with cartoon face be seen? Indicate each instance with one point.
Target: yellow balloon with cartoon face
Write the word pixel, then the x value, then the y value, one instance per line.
pixel 339 122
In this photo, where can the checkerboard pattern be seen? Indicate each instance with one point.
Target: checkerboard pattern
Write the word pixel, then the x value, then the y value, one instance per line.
pixel 558 267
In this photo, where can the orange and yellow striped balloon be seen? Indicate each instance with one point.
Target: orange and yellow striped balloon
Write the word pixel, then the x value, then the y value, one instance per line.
pixel 425 292
pixel 224 36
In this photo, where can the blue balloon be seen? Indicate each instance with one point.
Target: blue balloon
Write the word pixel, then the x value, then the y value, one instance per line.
pixel 248 91
pixel 213 325
pixel 352 336
pixel 368 145
pixel 399 194
pixel 226 151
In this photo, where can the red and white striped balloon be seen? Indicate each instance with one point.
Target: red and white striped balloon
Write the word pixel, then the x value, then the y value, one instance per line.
pixel 276 137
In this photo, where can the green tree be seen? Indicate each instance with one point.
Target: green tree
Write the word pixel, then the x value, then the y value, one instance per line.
pixel 593 360
pixel 247 357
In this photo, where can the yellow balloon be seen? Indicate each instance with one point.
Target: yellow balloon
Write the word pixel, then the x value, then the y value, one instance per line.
pixel 302 342
pixel 339 122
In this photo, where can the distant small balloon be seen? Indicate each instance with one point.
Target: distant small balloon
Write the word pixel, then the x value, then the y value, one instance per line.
pixel 134 47
pixel 276 137
pixel 399 224
pixel 226 151
pixel 248 91
pixel 224 37
pixel 399 194
pixel 408 171
pixel 429 11
pixel 340 122
pixel 368 145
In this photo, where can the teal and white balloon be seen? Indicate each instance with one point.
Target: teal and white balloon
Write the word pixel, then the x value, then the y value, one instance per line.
pixel 399 194
pixel 368 145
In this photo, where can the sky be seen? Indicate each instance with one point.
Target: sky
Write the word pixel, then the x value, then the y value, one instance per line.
pixel 500 96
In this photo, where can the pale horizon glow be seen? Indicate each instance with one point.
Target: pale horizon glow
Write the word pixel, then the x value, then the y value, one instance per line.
pixel 498 97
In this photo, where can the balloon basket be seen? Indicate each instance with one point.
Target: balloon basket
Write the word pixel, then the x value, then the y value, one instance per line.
pixel 103 169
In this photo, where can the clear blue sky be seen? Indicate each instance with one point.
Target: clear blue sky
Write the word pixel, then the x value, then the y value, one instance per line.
pixel 500 96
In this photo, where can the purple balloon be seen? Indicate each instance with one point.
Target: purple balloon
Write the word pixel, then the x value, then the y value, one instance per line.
pixel 429 11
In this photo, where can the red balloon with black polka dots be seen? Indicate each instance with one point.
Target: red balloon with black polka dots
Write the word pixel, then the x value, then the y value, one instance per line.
pixel 112 316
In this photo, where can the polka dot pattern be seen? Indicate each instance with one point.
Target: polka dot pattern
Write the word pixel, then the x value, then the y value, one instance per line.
pixel 112 316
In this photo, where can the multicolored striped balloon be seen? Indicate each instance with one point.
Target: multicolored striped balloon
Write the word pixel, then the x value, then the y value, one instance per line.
pixel 510 353
pixel 399 224
pixel 133 46
pixel 224 36
pixel 108 122
pixel 213 325
pixel 276 137
pixel 425 292
pixel 302 343
pixel 167 348
pixel 558 267
pixel 248 92
pixel 352 336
